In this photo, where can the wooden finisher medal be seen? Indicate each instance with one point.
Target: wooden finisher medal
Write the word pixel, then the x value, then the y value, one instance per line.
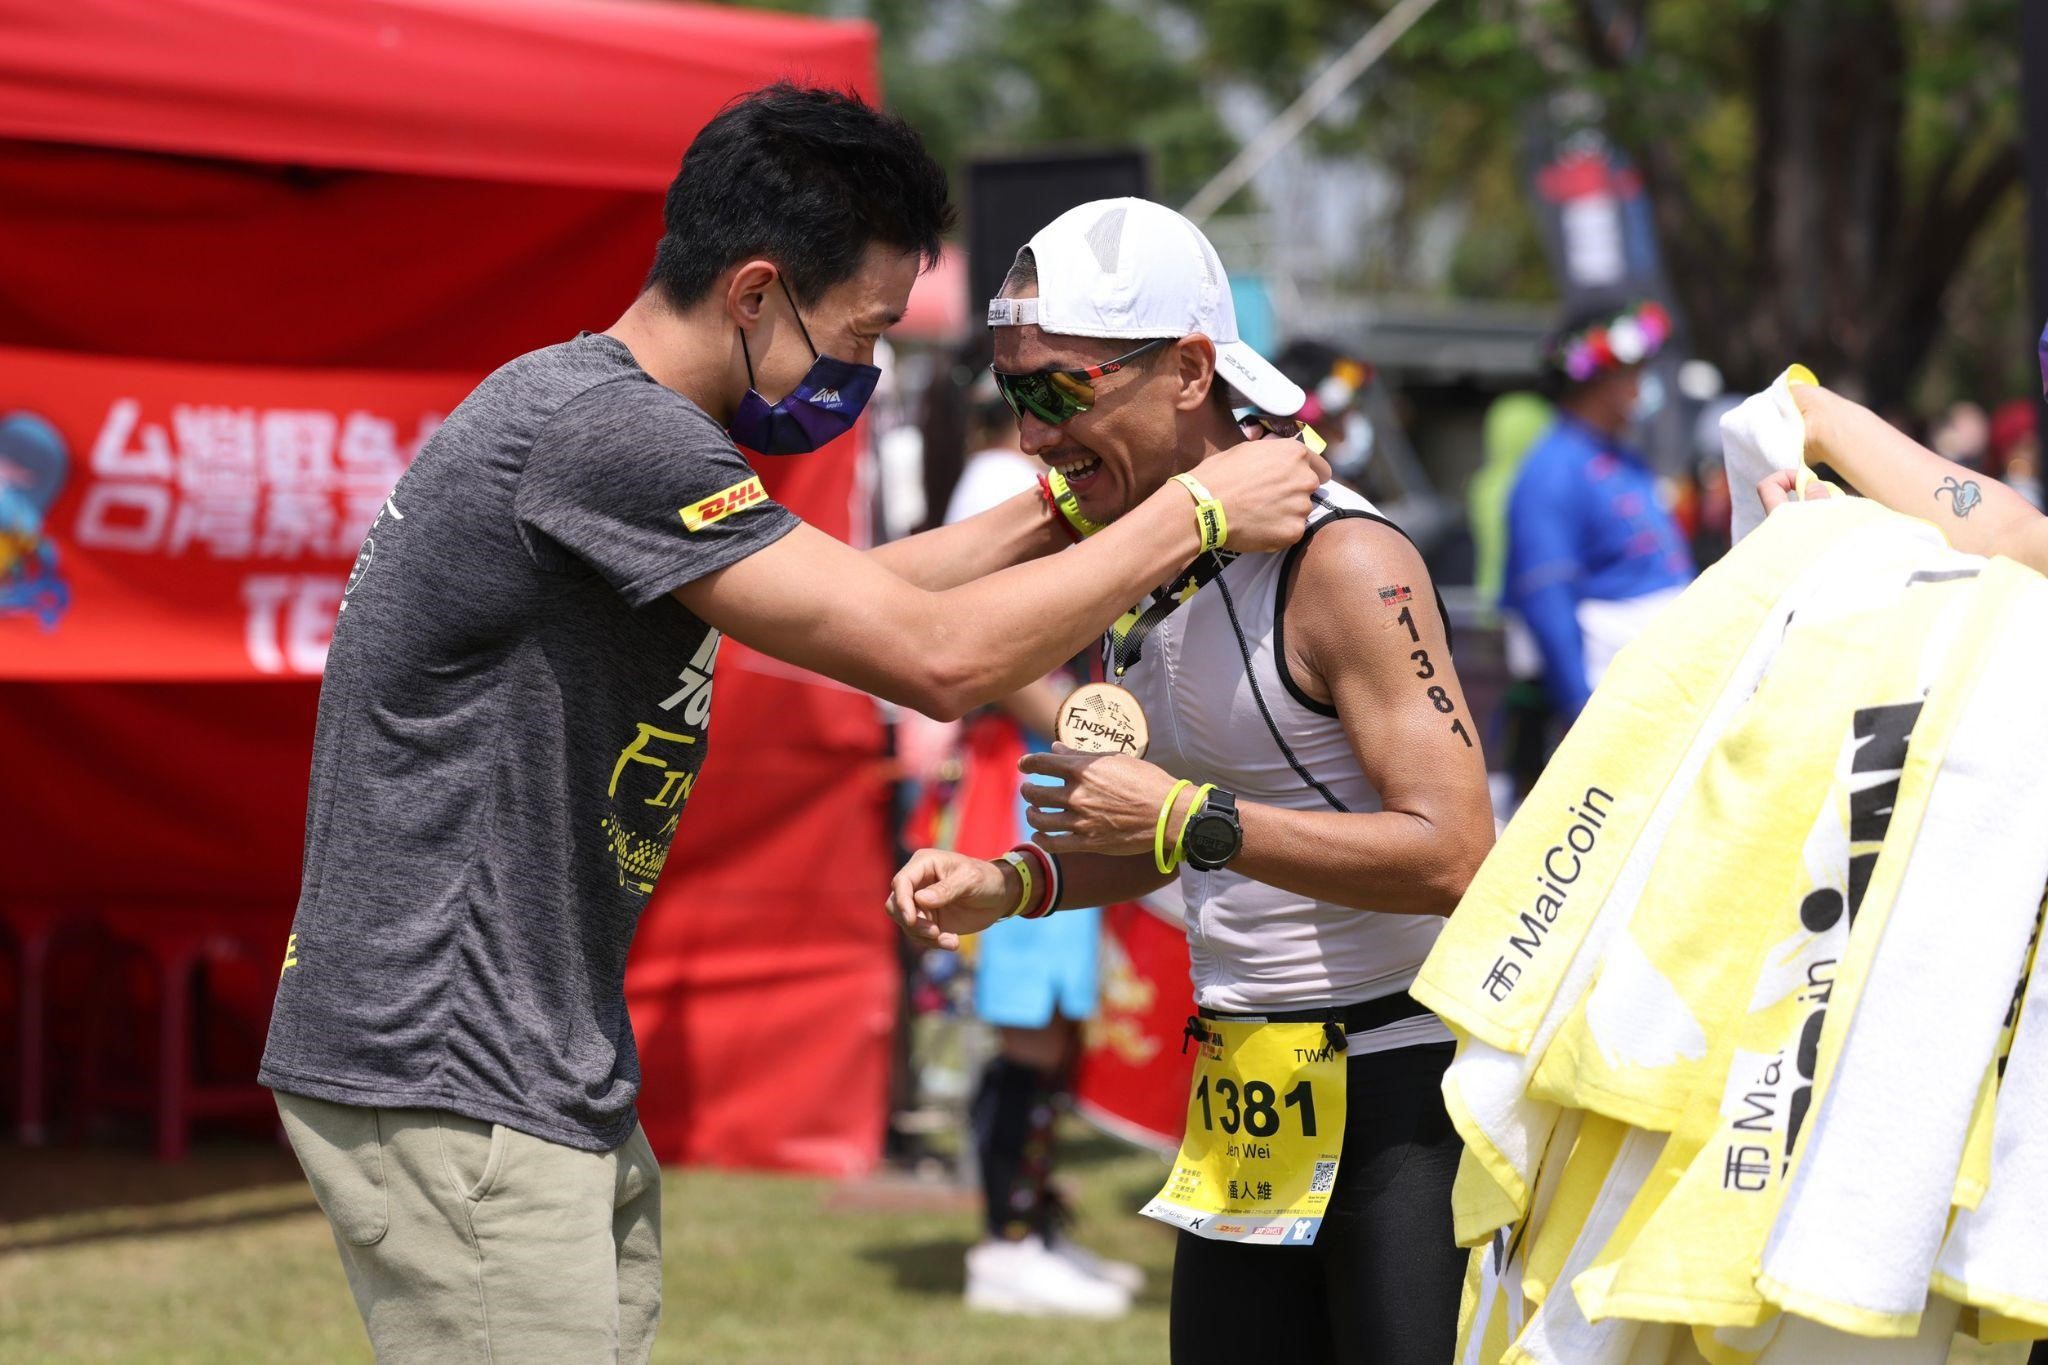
pixel 1102 718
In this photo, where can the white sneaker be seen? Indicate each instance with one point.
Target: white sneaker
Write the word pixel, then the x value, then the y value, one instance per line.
pixel 1028 1277
pixel 1122 1274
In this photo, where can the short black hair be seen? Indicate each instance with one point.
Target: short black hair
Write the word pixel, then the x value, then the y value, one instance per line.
pixel 807 178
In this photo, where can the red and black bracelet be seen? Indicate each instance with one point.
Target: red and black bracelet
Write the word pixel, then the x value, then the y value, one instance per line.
pixel 1052 503
pixel 1048 884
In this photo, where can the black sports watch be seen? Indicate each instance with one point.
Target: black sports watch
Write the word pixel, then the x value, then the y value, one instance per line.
pixel 1214 832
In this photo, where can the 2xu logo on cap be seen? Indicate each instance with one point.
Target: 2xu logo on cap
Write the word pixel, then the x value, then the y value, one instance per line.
pixel 1102 718
pixel 719 506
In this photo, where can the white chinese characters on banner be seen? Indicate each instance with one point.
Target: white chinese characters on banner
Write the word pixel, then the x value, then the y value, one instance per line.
pixel 291 620
pixel 236 483
pixel 242 482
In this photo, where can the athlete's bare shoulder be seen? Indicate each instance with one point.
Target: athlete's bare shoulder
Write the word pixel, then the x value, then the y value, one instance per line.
pixel 1360 599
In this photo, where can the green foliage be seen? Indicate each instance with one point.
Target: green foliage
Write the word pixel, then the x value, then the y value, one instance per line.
pixel 980 77
pixel 1102 73
pixel 1899 116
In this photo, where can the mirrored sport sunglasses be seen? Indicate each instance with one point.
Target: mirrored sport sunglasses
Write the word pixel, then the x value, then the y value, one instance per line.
pixel 1058 396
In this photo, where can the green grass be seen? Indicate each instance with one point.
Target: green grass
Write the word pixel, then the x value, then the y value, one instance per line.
pixel 225 1258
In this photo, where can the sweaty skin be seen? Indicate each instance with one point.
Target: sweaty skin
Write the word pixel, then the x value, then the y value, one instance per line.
pixel 1415 856
pixel 1977 513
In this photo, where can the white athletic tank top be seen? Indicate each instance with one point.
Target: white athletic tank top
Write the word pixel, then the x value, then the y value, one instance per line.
pixel 1256 947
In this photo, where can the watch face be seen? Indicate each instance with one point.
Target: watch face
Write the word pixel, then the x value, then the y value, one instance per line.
pixel 1213 839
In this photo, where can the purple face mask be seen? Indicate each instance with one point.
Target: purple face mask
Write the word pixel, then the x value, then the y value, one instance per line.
pixel 2042 350
pixel 820 409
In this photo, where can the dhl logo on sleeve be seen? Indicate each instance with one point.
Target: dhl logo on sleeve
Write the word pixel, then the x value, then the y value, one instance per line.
pixel 719 506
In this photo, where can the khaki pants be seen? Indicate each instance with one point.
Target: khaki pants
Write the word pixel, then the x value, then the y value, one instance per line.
pixel 470 1241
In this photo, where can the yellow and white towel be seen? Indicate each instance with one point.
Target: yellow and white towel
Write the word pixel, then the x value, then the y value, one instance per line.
pixel 1922 996
pixel 1680 972
pixel 1996 1254
pixel 1514 961
pixel 1499 960
pixel 1695 1259
pixel 1825 763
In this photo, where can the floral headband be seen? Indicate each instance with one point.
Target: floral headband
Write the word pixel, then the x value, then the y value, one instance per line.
pixel 1627 338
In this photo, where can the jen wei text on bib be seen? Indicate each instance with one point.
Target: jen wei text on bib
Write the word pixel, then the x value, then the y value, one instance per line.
pixel 1265 1127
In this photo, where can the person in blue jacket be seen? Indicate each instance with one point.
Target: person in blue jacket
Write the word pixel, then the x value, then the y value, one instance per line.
pixel 1593 553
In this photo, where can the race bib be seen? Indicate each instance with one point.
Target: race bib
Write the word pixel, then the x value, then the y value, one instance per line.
pixel 1264 1129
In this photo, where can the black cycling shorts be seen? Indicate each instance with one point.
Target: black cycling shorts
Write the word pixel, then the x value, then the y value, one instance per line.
pixel 1381 1284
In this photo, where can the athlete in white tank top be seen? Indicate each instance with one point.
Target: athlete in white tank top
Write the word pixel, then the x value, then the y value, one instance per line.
pixel 1257 946
pixel 1339 807
pixel 1313 690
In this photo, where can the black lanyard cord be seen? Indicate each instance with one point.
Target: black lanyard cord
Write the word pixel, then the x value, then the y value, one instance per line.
pixel 1126 647
pixel 1251 676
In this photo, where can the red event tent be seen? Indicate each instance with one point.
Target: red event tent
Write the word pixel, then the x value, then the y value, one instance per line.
pixel 250 251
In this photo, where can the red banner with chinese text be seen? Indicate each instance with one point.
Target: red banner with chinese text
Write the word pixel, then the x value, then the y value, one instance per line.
pixel 1135 1069
pixel 181 522
pixel 169 527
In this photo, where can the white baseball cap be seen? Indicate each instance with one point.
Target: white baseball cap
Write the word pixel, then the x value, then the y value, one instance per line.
pixel 1135 269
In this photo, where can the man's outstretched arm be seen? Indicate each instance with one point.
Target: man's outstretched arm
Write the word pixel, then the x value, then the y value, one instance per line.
pixel 1015 531
pixel 809 600
pixel 939 895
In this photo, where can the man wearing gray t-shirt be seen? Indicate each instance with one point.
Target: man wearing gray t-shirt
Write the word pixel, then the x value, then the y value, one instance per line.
pixel 514 716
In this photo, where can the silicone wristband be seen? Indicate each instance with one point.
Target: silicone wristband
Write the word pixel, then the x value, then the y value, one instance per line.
pixel 1159 854
pixel 1209 519
pixel 1059 514
pixel 1180 845
pixel 1048 882
pixel 1023 866
pixel 1070 506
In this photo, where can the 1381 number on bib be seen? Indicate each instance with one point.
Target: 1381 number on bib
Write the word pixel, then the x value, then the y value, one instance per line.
pixel 1265 1126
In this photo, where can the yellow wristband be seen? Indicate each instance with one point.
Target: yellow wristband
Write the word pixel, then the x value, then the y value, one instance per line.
pixel 1069 505
pixel 1023 866
pixel 1180 845
pixel 1209 520
pixel 1159 857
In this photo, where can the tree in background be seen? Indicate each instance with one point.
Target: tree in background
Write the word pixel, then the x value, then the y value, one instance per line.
pixel 980 77
pixel 1834 181
pixel 1822 172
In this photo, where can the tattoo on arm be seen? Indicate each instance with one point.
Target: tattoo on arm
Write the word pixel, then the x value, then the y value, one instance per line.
pixel 1438 698
pixel 1964 497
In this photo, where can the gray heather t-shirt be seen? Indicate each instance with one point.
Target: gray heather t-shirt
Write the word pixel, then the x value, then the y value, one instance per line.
pixel 512 718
